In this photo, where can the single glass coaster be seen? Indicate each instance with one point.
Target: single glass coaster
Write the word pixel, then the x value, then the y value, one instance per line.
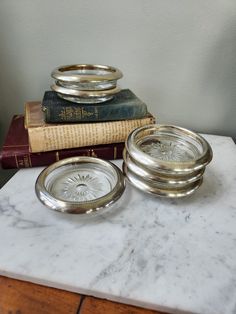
pixel 169 149
pixel 84 96
pixel 103 85
pixel 86 73
pixel 80 185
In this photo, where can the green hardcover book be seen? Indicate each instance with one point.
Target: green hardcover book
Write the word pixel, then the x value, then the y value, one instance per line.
pixel 124 106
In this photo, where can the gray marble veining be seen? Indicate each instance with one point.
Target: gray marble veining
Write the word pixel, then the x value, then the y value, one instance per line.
pixel 173 255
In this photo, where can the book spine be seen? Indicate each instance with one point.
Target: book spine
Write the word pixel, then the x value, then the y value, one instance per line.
pixel 62 114
pixel 64 136
pixel 28 160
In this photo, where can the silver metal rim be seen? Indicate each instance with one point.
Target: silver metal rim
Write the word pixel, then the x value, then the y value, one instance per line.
pixel 84 93
pixel 85 207
pixel 168 166
pixel 161 192
pixel 88 86
pixel 160 178
pixel 62 73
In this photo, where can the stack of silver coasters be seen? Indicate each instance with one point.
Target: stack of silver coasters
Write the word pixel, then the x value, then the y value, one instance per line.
pixel 166 160
pixel 86 83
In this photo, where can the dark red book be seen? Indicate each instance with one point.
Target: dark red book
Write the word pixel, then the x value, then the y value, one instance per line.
pixel 15 151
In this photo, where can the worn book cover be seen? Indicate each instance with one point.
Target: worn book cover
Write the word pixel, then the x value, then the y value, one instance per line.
pixel 45 137
pixel 125 105
pixel 15 151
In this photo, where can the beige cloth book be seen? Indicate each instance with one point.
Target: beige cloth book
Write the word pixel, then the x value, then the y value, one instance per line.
pixel 46 137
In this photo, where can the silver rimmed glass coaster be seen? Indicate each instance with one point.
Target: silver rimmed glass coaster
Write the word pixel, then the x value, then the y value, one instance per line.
pixel 164 181
pixel 158 190
pixel 169 149
pixel 92 86
pixel 80 185
pixel 86 73
pixel 85 96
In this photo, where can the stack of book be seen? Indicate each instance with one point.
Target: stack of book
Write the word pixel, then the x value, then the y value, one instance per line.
pixel 55 128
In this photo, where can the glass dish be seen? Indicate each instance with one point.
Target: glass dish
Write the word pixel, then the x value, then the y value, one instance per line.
pixel 168 149
pixel 84 73
pixel 103 85
pixel 80 185
pixel 84 96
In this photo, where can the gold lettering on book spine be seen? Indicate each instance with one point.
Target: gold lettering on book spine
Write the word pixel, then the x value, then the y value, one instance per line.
pixel 87 114
pixel 93 154
pixel 69 113
pixel 23 162
pixel 115 153
pixel 17 165
pixel 29 160
pixel 57 156
pixel 79 113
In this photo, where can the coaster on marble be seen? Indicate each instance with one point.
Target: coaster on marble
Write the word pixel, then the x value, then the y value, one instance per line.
pixel 80 185
pixel 166 160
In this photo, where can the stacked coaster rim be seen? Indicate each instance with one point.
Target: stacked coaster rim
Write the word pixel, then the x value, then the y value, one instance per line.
pixel 86 83
pixel 159 178
pixel 166 160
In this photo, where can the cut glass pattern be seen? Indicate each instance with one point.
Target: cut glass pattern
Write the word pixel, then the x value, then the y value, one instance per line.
pixel 81 185
pixel 168 150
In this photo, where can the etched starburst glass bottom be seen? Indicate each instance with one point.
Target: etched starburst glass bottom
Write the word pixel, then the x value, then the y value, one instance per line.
pixel 81 183
pixel 169 148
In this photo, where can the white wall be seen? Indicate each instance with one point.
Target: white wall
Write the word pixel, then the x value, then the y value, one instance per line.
pixel 179 56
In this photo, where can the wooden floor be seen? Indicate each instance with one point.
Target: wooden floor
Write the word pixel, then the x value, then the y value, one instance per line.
pixel 19 297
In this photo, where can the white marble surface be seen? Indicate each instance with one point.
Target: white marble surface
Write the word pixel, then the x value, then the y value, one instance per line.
pixel 174 255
